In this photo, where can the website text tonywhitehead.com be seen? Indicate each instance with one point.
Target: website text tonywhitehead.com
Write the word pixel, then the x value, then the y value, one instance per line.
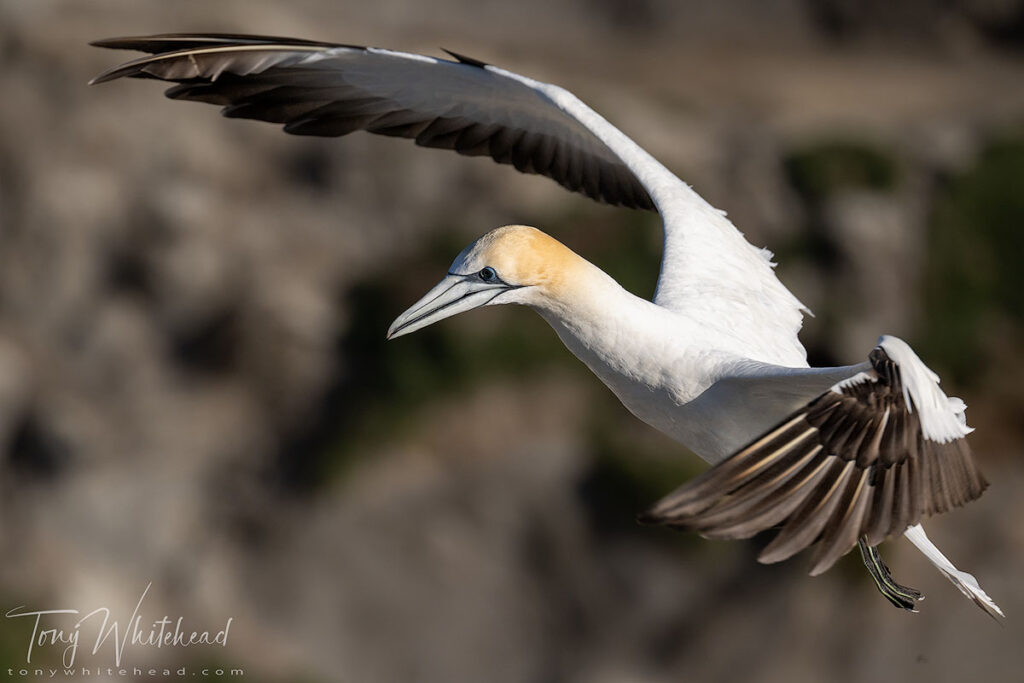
pixel 135 672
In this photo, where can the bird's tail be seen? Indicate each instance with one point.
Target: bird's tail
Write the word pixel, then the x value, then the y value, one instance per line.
pixel 967 584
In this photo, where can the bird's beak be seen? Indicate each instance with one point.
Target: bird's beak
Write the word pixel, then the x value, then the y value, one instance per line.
pixel 454 294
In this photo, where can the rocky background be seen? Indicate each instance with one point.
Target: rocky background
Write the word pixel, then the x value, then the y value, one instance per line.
pixel 195 390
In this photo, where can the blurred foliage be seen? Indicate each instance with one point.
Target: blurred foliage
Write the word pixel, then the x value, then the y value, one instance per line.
pixel 926 22
pixel 818 170
pixel 974 285
pixel 631 468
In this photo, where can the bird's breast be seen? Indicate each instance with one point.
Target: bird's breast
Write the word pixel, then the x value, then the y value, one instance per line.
pixel 653 374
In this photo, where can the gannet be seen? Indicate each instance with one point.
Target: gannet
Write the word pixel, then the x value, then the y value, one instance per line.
pixel 837 457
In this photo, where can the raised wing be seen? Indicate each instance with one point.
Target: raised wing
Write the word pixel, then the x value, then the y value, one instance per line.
pixel 866 459
pixel 325 89
pixel 709 271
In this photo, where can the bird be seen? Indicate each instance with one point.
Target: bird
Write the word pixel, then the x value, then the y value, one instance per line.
pixel 825 458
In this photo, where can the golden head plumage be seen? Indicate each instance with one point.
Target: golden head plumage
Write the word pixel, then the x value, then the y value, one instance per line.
pixel 522 256
pixel 511 264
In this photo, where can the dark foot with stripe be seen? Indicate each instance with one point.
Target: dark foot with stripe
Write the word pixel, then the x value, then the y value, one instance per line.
pixel 900 596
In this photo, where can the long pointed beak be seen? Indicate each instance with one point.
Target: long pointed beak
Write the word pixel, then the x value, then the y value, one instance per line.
pixel 454 294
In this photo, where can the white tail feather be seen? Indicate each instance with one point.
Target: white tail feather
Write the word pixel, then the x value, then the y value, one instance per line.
pixel 967 584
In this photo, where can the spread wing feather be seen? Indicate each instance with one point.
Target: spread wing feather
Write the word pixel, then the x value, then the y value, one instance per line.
pixel 854 462
pixel 327 89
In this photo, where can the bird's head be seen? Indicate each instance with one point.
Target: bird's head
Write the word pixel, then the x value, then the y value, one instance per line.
pixel 513 264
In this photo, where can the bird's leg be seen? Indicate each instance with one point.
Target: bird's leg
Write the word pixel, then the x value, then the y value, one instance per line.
pixel 900 596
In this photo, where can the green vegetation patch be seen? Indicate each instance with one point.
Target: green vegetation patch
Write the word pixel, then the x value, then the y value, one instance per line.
pixel 974 275
pixel 819 170
pixel 632 467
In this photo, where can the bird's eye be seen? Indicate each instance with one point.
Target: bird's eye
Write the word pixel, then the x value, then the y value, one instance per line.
pixel 487 274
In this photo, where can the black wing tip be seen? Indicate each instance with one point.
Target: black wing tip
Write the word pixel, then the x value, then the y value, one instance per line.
pixel 169 44
pixel 649 518
pixel 469 61
pixel 161 42
pixel 126 70
pixel 107 76
pixel 145 43
pixel 673 516
pixel 131 42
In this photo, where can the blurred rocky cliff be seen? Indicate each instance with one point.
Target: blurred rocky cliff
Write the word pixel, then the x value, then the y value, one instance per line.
pixel 195 390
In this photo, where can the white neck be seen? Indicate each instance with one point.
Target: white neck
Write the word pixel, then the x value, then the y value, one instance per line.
pixel 635 347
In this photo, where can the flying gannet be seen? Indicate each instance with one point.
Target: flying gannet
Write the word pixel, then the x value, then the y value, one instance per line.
pixel 835 457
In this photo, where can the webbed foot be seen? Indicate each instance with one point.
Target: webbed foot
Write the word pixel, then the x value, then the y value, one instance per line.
pixel 903 597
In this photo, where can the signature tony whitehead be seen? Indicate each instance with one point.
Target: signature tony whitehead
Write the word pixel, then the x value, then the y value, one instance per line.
pixel 64 628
